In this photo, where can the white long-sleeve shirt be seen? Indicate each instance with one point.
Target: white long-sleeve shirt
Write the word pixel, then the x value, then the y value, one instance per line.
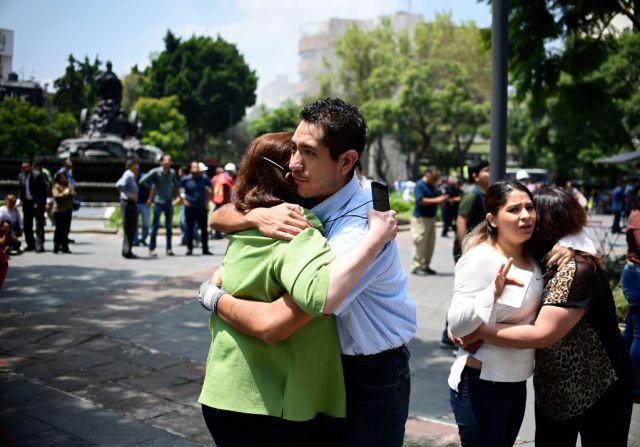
pixel 473 304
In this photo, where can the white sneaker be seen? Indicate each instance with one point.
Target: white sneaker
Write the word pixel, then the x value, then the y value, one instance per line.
pixel 153 253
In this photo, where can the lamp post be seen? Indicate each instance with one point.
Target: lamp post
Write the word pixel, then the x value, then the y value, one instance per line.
pixel 499 52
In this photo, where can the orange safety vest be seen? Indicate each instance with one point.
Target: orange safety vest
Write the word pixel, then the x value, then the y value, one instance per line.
pixel 218 184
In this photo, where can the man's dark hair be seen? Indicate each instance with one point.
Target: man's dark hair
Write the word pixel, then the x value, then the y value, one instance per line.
pixel 343 125
pixel 131 162
pixel 475 167
pixel 430 170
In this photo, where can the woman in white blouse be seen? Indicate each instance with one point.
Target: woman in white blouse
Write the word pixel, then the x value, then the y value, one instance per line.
pixel 496 280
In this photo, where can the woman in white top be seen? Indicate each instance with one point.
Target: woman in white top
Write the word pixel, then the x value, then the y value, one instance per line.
pixel 496 280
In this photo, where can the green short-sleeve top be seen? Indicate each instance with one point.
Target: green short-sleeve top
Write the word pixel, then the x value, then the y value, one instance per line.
pixel 296 378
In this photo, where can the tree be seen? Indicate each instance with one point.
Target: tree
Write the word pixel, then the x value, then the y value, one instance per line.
pixel 133 87
pixel 27 131
pixel 621 72
pixel 575 74
pixel 163 124
pixel 61 125
pixel 429 90
pixel 213 83
pixel 281 119
pixel 368 74
pixel 76 89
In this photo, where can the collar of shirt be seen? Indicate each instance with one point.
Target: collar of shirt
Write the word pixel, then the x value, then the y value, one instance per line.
pixel 347 201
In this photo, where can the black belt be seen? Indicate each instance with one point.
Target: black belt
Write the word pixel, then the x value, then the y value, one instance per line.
pixel 378 357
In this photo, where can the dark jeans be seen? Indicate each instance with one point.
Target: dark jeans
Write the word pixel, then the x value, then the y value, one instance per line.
pixel 449 215
pixel 615 227
pixel 61 232
pixel 158 209
pixel 606 423
pixel 233 429
pixel 488 414
pixel 129 211
pixel 378 388
pixel 32 210
pixel 197 216
pixel 217 234
pixel 143 217
pixel 4 266
pixel 631 288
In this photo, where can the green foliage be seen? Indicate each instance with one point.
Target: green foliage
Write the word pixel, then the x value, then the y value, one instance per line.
pixel 213 83
pixel 398 204
pixel 115 219
pixel 62 125
pixel 429 90
pixel 575 80
pixel 163 124
pixel 621 303
pixel 77 89
pixel 620 72
pixel 133 87
pixel 281 119
pixel 27 131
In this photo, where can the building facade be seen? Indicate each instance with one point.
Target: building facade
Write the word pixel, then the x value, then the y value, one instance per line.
pixel 6 53
pixel 315 46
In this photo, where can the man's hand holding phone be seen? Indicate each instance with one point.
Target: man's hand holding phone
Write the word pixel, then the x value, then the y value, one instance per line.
pixel 380 195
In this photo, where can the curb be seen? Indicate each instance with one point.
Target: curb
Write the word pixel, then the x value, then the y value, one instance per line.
pixel 424 432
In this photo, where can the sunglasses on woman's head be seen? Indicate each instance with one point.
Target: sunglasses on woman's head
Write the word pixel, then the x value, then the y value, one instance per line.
pixel 277 165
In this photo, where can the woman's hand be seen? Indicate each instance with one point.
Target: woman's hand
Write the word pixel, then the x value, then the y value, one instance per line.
pixel 463 342
pixel 503 280
pixel 472 337
pixel 284 221
pixel 558 256
pixel 383 225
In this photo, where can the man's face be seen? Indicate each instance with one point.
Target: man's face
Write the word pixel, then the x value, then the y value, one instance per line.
pixel 68 164
pixel 166 162
pixel 135 168
pixel 432 177
pixel 194 169
pixel 10 202
pixel 315 173
pixel 483 178
pixel 26 168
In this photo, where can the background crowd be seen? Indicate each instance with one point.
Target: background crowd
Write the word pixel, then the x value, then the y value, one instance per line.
pixel 459 204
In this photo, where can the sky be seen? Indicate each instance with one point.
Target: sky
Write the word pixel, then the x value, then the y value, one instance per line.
pixel 129 32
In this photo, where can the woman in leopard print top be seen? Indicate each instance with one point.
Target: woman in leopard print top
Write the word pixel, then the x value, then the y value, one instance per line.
pixel 583 374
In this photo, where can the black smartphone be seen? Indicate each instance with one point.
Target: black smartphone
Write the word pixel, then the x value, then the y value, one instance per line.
pixel 380 195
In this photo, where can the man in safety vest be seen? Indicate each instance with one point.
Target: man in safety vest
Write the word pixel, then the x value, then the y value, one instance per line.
pixel 221 185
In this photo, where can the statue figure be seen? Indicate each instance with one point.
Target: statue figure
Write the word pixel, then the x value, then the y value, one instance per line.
pixel 109 86
pixel 107 132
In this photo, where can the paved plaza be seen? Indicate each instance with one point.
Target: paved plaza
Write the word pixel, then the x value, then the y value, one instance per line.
pixel 99 350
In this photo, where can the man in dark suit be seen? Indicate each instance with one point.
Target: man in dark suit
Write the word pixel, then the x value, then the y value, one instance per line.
pixel 33 195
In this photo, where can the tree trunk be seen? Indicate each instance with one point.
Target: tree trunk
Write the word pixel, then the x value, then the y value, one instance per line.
pixel 419 153
pixel 198 150
pixel 380 160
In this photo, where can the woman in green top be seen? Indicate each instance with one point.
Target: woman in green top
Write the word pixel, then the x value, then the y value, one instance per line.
pixel 288 392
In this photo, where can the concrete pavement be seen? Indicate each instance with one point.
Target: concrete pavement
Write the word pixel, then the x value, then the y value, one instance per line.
pixel 99 350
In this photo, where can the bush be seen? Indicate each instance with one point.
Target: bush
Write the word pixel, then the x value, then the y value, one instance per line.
pixel 115 220
pixel 622 305
pixel 404 209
